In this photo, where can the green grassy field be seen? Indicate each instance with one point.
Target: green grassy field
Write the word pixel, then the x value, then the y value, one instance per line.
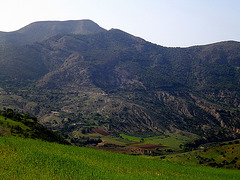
pixel 6 124
pixel 171 140
pixel 23 125
pixel 225 155
pixel 35 159
pixel 10 123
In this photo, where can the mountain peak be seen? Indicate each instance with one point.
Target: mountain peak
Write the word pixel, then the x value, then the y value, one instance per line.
pixel 72 26
pixel 41 30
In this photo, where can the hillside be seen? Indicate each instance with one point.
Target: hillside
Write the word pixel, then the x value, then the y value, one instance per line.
pixel 124 84
pixel 24 125
pixel 35 159
pixel 218 155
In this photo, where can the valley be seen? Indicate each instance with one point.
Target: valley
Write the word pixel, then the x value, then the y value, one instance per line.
pixel 28 151
pixel 113 94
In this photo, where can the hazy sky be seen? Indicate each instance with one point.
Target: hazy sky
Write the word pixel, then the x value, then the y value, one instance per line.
pixel 164 22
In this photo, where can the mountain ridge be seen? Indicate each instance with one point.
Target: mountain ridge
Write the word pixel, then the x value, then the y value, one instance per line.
pixel 41 30
pixel 122 83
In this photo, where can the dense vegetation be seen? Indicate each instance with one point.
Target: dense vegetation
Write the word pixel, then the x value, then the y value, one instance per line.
pixel 35 159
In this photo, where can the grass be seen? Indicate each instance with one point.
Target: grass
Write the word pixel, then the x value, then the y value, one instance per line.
pixel 23 125
pixel 107 139
pixel 131 138
pixel 9 122
pixel 6 123
pixel 171 140
pixel 35 159
pixel 225 155
pixel 115 140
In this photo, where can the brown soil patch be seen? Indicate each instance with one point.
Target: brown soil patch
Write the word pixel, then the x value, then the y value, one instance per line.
pixel 101 131
pixel 116 150
pixel 132 143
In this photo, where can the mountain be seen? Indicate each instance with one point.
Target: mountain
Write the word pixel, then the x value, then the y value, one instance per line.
pixel 124 84
pixel 42 30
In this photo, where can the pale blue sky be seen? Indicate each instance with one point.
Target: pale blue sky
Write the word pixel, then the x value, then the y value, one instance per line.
pixel 165 22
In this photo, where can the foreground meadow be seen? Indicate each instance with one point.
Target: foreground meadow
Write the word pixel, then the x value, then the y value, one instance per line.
pixel 34 159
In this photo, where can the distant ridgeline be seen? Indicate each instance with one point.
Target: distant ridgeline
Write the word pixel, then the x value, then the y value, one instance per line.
pixel 24 125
